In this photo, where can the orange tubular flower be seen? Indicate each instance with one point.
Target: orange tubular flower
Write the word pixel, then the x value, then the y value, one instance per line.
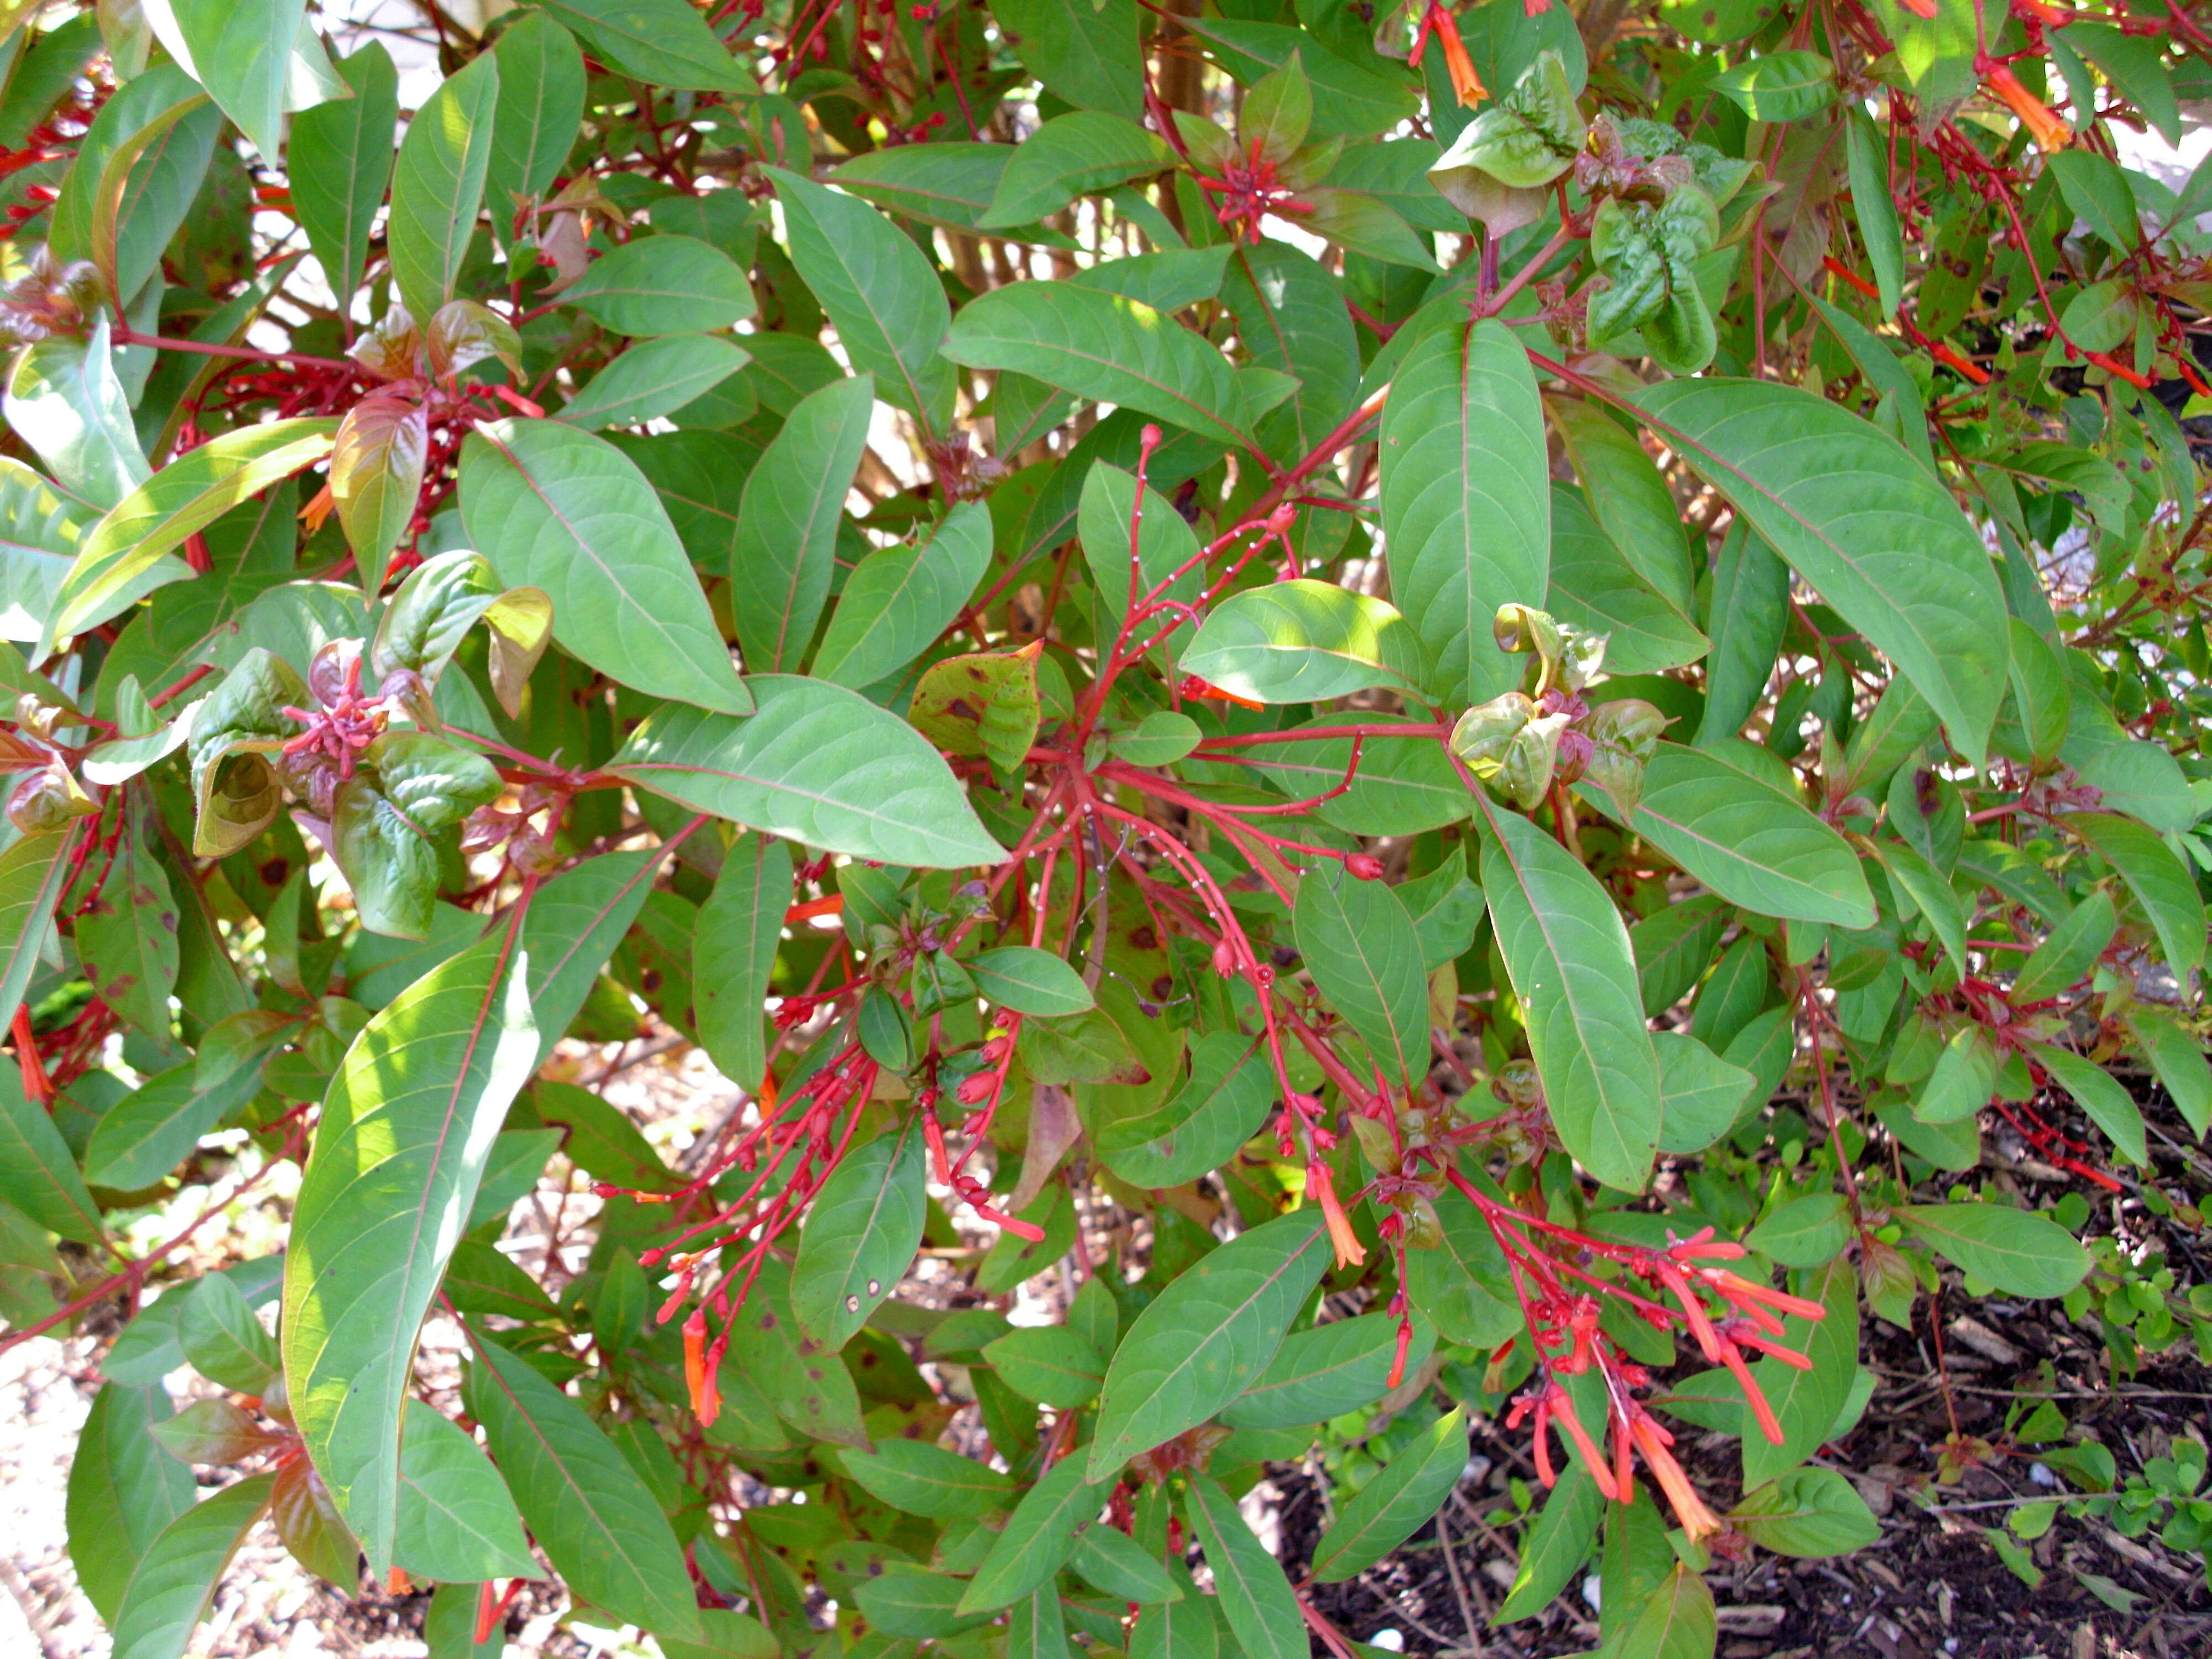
pixel 699 1370
pixel 1466 85
pixel 2045 128
pixel 1690 1510
pixel 1922 8
pixel 1593 1459
pixel 1741 1291
pixel 1754 1396
pixel 1349 1250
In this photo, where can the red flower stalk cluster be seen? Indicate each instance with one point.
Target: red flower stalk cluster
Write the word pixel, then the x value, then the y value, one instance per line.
pixel 1250 188
pixel 1560 1295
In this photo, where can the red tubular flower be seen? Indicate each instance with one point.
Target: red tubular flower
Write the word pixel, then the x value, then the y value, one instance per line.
pixel 1349 1252
pixel 699 1369
pixel 1693 1309
pixel 1398 1359
pixel 1466 85
pixel 2048 130
pixel 1593 1459
pixel 1754 1396
pixel 1690 1510
pixel 1745 1294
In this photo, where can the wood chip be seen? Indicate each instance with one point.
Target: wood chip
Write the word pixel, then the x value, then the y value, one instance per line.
pixel 1983 1341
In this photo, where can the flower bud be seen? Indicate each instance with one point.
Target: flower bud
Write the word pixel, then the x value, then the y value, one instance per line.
pixel 1365 866
pixel 975 1090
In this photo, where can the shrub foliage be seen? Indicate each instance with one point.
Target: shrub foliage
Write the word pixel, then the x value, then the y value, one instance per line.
pixel 1434 704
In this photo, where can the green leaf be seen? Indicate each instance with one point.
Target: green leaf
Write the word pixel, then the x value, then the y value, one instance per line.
pixel 2160 883
pixel 1347 97
pixel 1039 1537
pixel 564 512
pixel 655 285
pixel 445 596
pixel 2019 1252
pixel 405 1130
pixel 223 1338
pixel 127 939
pixel 36 1174
pixel 122 1490
pixel 1207 1337
pixel 1105 347
pixel 242 54
pixel 1385 1512
pixel 1806 1402
pixel 1464 1284
pixel 2099 1094
pixel 908 1600
pixel 1291 315
pixel 1964 1078
pixel 136 176
pixel 1327 1371
pixel 1593 587
pixel 32 870
pixel 376 477
pixel 818 764
pixel 900 599
pixel 1467 513
pixel 665 43
pixel 2177 1061
pixel 1673 947
pixel 1049 1363
pixel 1256 1600
pixel 945 184
pixel 1702 1096
pixel 1187 1628
pixel 595 1518
pixel 1747 610
pixel 1923 889
pixel 1567 952
pixel 1359 945
pixel 1029 981
pixel 64 399
pixel 174 1583
pixel 1163 544
pixel 1306 642
pixel 1721 813
pixel 541 105
pixel 655 379
pixel 571 929
pixel 1117 1566
pixel 921 1479
pixel 1805 1232
pixel 457 1520
pixel 784 555
pixel 1874 207
pixel 142 1137
pixel 799 1378
pixel 1072 155
pixel 1221 1106
pixel 733 953
pixel 1087 53
pixel 1556 1545
pixel 341 161
pixel 861 1237
pixel 182 498
pixel 384 821
pixel 1809 1514
pixel 437 185
pixel 1629 499
pixel 890 309
pixel 1778 86
pixel 41 528
pixel 1678 1622
pixel 1864 523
